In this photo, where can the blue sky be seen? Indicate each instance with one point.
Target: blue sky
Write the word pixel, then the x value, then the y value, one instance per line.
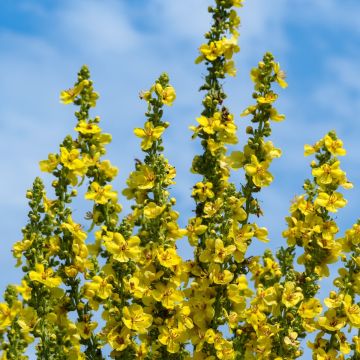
pixel 127 44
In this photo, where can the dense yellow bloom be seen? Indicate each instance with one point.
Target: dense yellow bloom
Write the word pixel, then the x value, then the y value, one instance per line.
pixel 258 172
pixel 44 276
pixel 330 202
pixel 101 195
pixel 134 318
pixel 167 94
pixel 149 134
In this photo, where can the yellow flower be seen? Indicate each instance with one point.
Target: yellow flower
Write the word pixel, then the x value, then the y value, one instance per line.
pixel 86 329
pixel 236 159
pixel 330 202
pixel 183 316
pixel 210 125
pixel 344 345
pixel 269 98
pixel 237 3
pixel 291 295
pixel 171 337
pixel 143 179
pixel 75 229
pixel 258 172
pixel 332 321
pixel 334 146
pixel 168 257
pixel 352 311
pixel 167 94
pixel 310 308
pixel 149 134
pixel 222 252
pixel 167 294
pixel 261 233
pixel 68 96
pixel 275 116
pixel 100 286
pixel 134 318
pixel 229 46
pixel 71 160
pixel 356 340
pixel 327 174
pixel 211 51
pixel 109 170
pixel 321 354
pixel 27 319
pixel 194 229
pixel 152 211
pixel 44 276
pixel 101 195
pixel 123 250
pixel 119 340
pixel 7 315
pixel 86 128
pixel 279 75
pixel 218 276
pixel 203 191
pixel 24 290
pixel 202 310
pixel 230 68
pixel 50 164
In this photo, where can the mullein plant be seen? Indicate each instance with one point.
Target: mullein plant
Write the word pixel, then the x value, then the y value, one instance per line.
pixel 116 284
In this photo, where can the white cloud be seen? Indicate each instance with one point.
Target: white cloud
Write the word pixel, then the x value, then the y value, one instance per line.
pixel 186 18
pixel 99 27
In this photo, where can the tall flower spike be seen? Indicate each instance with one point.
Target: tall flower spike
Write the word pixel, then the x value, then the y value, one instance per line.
pixel 152 271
